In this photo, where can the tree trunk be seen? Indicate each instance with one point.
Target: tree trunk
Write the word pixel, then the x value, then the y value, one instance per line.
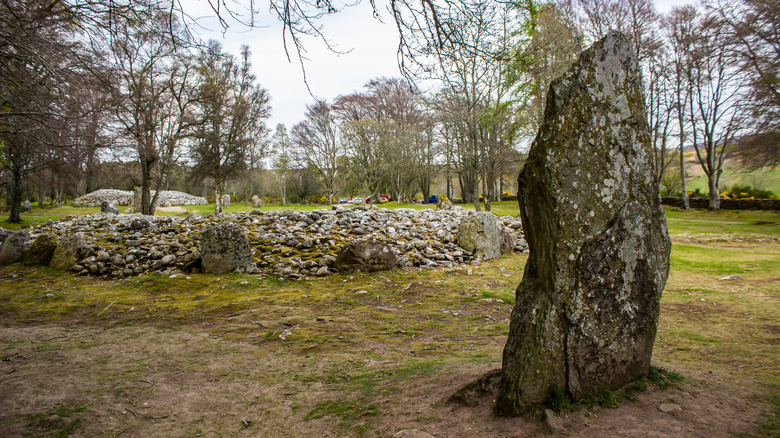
pixel 16 195
pixel 685 203
pixel 41 193
pixel 714 194
pixel 146 185
pixel 475 193
pixel 217 199
pixel 284 188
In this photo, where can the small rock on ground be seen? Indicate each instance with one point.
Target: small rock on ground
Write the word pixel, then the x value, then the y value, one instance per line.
pixel 669 408
pixel 412 433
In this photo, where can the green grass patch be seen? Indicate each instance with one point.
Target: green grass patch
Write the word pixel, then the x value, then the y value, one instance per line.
pixel 56 422
pixel 343 410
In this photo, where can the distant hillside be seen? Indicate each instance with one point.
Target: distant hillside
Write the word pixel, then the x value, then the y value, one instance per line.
pixel 764 179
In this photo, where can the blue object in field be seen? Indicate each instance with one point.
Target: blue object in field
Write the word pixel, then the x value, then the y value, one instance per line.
pixel 433 199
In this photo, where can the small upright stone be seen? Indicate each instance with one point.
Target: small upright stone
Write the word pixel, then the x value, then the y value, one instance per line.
pixel 26 206
pixel 586 311
pixel 108 207
pixel 137 200
pixel 225 248
pixel 444 203
pixel 478 234
pixel 256 202
pixel 225 201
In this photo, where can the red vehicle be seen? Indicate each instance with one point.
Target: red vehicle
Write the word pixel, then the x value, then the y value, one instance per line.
pixel 383 199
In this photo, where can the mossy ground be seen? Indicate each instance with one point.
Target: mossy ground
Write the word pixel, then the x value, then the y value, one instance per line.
pixel 359 354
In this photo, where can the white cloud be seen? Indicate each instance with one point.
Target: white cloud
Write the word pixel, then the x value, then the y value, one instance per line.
pixel 370 51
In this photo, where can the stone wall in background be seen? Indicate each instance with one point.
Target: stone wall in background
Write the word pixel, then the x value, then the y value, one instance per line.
pixel 726 203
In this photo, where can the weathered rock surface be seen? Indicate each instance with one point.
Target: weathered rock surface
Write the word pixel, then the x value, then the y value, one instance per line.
pixel 70 250
pixel 444 204
pixel 14 248
pixel 4 234
pixel 256 202
pixel 41 251
pixel 167 198
pixel 225 201
pixel 587 308
pixel 366 256
pixel 26 206
pixel 478 233
pixel 108 207
pixel 225 248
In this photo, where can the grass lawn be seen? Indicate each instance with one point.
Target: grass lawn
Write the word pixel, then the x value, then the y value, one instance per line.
pixel 370 354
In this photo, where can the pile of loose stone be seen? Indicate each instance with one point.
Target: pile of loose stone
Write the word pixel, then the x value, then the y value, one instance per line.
pixel 285 243
pixel 167 198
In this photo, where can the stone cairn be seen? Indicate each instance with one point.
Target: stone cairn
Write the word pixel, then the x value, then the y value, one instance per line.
pixel 587 308
pixel 283 243
pixel 167 198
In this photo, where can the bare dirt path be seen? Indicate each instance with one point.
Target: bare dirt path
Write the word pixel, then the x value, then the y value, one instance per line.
pixel 184 381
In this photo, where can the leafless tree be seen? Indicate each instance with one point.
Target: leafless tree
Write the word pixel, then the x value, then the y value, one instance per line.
pixel 153 79
pixel 753 26
pixel 319 146
pixel 37 65
pixel 716 85
pixel 678 27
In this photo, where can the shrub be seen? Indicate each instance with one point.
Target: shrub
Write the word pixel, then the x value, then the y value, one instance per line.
pixel 697 194
pixel 746 192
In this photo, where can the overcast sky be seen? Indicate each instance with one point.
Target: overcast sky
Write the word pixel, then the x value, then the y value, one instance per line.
pixel 371 45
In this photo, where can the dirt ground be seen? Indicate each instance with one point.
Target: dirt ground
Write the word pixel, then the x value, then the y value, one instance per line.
pixel 365 355
pixel 147 381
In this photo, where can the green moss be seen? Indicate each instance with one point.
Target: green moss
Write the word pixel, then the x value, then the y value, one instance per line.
pixel 41 250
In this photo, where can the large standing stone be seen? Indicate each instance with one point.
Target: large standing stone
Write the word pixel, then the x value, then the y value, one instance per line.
pixel 225 248
pixel 478 234
pixel 70 250
pixel 587 308
pixel 14 248
pixel 225 201
pixel 41 250
pixel 366 256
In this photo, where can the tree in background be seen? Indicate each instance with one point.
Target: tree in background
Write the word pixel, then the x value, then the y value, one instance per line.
pixel 716 86
pixel 37 60
pixel 754 29
pixel 555 44
pixel 280 142
pixel 678 29
pixel 232 110
pixel 318 145
pixel 152 91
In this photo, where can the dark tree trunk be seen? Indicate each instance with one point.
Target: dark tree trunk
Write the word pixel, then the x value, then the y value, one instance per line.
pixel 146 185
pixel 16 195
